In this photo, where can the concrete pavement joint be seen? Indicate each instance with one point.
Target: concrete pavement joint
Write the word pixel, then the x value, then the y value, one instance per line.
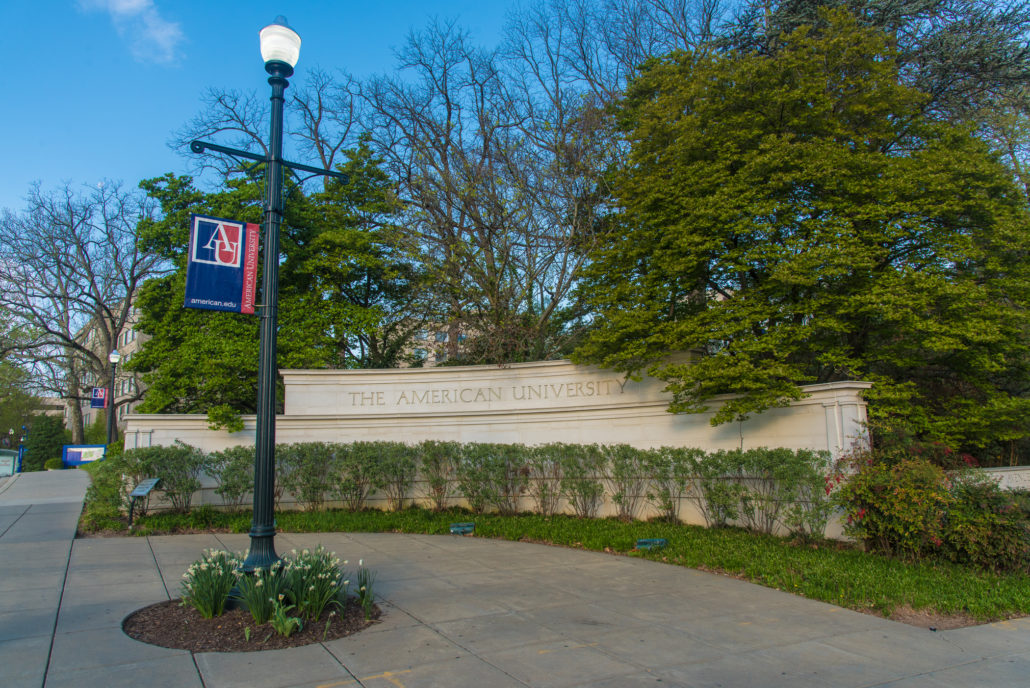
pixel 25 511
pixel 353 678
pixel 7 483
pixel 196 667
pixel 153 557
pixel 57 616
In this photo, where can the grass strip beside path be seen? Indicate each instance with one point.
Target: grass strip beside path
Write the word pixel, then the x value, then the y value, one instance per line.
pixel 823 571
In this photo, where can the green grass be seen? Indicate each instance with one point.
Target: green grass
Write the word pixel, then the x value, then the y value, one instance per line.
pixel 825 571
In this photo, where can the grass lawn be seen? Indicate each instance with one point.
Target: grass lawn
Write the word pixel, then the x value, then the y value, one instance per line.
pixel 824 571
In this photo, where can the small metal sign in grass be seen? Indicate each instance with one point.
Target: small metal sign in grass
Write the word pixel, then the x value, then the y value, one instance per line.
pixel 652 543
pixel 463 528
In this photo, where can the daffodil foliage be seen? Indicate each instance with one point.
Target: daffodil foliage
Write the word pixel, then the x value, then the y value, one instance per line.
pixel 794 219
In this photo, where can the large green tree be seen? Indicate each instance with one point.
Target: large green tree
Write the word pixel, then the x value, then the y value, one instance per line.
pixel 797 218
pixel 206 361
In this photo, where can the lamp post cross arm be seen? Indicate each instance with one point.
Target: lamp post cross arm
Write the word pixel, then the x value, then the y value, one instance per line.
pixel 203 146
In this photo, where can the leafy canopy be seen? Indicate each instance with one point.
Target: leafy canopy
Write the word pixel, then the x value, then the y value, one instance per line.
pixel 796 218
pixel 340 290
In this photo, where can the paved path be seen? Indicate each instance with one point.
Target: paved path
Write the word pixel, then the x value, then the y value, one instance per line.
pixel 459 612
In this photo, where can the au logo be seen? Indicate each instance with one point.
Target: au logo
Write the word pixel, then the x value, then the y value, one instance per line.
pixel 217 243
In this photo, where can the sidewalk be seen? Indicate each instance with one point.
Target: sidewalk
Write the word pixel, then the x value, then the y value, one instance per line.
pixel 459 612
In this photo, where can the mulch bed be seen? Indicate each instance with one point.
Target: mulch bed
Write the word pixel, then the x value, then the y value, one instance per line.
pixel 170 624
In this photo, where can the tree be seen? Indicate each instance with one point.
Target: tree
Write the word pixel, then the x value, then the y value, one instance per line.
pixel 70 270
pixel 964 54
pixel 346 299
pixel 46 437
pixel 972 58
pixel 17 405
pixel 372 297
pixel 205 361
pixel 499 155
pixel 797 218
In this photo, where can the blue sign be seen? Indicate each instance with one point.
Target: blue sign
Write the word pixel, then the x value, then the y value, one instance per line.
pixel 78 454
pixel 98 398
pixel 221 270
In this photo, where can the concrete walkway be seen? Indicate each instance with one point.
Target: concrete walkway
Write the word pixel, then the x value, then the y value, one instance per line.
pixel 459 612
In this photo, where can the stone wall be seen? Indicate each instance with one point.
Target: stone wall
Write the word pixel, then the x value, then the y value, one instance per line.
pixel 529 403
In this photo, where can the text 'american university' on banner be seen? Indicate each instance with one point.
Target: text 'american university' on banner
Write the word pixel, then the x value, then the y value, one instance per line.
pixel 221 273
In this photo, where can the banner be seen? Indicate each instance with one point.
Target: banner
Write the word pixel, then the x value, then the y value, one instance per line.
pixel 99 398
pixel 221 270
pixel 78 454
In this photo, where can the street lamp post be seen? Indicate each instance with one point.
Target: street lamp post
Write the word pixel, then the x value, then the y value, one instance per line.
pixel 113 357
pixel 280 49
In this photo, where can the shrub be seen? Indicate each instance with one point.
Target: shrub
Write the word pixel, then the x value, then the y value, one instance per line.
pixel 132 467
pixel 311 470
pixel 233 469
pixel 714 492
pixel 358 474
pixel 984 525
pixel 626 477
pixel 104 497
pixel 810 508
pixel 396 468
pixel 670 470
pixel 493 475
pixel 54 464
pixel 178 467
pixel 437 461
pixel 546 470
pixel 44 441
pixel 897 509
pixel 773 481
pixel 582 466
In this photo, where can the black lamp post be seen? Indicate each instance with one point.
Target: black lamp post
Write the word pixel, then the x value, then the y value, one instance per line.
pixel 280 49
pixel 113 357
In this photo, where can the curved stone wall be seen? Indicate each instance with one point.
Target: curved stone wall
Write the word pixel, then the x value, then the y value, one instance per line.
pixel 530 403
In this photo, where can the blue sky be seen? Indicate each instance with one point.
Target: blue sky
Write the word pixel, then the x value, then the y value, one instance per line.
pixel 95 88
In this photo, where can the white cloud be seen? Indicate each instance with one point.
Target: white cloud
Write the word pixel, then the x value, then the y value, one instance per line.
pixel 151 37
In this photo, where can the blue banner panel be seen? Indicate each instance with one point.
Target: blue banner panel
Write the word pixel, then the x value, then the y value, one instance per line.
pixel 78 454
pixel 221 270
pixel 99 398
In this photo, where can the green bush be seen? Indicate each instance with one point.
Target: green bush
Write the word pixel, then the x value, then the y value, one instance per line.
pixel 437 461
pixel 669 470
pixel 54 464
pixel 984 525
pixel 493 475
pixel 358 473
pixel 310 471
pixel 715 492
pixel 178 467
pixel 45 439
pixel 626 477
pixel 546 465
pixel 582 466
pixel 105 496
pixel 781 484
pixel 810 507
pixel 233 469
pixel 897 509
pixel 396 467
